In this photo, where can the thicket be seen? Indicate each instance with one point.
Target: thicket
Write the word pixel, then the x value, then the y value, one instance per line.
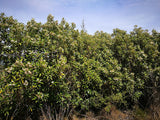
pixel 55 69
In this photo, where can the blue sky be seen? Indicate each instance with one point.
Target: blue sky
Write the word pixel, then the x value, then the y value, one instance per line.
pixel 99 15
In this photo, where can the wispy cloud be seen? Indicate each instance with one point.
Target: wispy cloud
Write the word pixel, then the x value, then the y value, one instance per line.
pixel 41 5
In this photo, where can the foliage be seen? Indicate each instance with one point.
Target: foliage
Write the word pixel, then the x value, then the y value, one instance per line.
pixel 55 66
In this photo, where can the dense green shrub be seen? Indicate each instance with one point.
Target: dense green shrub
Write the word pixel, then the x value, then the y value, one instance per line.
pixel 53 67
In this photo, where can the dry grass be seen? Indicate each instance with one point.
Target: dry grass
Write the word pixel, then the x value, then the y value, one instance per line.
pixel 137 114
pixel 155 111
pixel 114 114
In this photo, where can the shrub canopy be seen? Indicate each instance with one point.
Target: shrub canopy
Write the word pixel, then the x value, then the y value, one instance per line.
pixel 55 65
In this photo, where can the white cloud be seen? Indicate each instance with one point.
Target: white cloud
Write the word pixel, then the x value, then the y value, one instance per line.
pixel 42 5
